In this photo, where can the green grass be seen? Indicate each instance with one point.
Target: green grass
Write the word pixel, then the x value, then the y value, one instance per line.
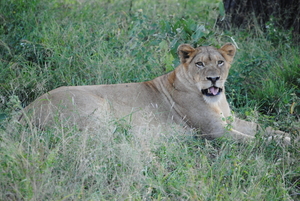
pixel 47 44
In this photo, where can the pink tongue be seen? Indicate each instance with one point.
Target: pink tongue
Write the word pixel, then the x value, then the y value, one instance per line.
pixel 214 90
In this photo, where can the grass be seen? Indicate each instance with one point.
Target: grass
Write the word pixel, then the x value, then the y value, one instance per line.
pixel 45 45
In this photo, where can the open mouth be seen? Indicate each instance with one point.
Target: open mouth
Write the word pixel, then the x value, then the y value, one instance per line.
pixel 211 91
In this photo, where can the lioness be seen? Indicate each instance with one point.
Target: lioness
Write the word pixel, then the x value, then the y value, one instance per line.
pixel 193 95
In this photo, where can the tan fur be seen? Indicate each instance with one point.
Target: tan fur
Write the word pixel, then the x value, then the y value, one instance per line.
pixel 175 97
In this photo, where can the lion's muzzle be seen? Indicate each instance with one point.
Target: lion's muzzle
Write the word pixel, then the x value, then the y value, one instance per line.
pixel 212 91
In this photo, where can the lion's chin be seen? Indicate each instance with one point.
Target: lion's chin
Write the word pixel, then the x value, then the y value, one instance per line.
pixel 212 91
pixel 212 99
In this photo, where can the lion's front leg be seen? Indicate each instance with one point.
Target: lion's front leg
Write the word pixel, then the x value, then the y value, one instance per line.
pixel 278 135
pixel 243 132
pixel 222 130
pixel 251 128
pixel 237 135
pixel 213 129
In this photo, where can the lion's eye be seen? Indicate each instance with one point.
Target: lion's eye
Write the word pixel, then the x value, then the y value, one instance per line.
pixel 220 63
pixel 199 64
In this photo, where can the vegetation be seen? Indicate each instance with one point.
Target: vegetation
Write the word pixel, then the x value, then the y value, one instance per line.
pixel 283 14
pixel 47 44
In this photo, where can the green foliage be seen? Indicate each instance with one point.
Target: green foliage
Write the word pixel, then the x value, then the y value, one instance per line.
pixel 47 44
pixel 63 163
pixel 267 79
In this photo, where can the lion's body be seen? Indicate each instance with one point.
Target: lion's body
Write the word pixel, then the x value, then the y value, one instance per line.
pixel 193 96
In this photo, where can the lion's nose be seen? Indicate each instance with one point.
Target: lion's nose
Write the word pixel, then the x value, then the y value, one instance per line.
pixel 213 79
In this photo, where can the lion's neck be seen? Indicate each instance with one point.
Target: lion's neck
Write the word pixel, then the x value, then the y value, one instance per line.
pixel 180 81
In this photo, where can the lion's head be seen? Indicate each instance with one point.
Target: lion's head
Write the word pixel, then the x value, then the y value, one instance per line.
pixel 207 68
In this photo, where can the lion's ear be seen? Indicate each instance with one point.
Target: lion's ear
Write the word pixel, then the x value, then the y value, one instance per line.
pixel 185 52
pixel 228 51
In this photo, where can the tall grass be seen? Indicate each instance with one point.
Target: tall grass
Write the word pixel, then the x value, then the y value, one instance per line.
pixel 65 164
pixel 47 44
